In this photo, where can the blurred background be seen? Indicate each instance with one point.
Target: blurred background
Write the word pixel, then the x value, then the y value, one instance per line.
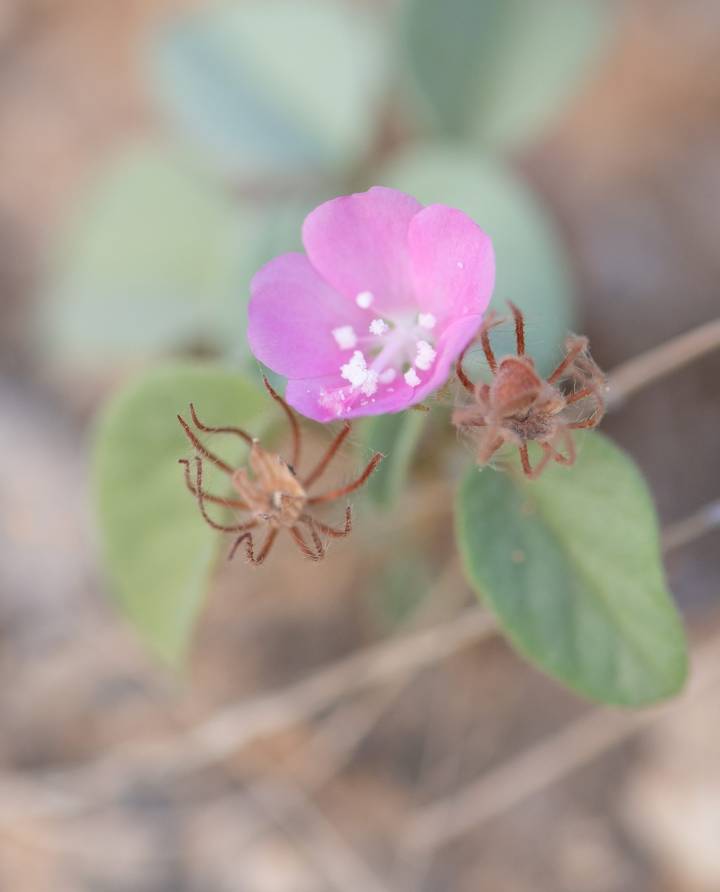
pixel 154 153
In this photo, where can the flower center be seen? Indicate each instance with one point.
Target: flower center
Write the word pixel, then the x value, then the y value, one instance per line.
pixel 386 348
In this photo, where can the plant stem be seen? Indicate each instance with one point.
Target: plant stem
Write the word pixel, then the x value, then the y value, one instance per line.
pixel 633 375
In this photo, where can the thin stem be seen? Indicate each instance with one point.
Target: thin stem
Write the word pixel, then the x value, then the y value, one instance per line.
pixel 208 497
pixel 210 456
pixel 317 541
pixel 333 532
pixel 223 528
pixel 636 373
pixel 351 487
pixel 304 547
pixel 555 758
pixel 519 328
pixel 487 348
pixel 239 432
pixel 294 427
pixel 462 376
pixel 242 723
pixel 249 547
pixel 576 346
pixel 690 528
pixel 580 395
pixel 321 466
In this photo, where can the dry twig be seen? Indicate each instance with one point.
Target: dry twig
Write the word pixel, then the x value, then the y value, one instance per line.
pixel 631 376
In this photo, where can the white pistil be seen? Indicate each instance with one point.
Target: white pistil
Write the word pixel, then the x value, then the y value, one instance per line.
pixel 364 299
pixel 411 378
pixel 460 264
pixel 425 355
pixel 345 337
pixel 379 327
pixel 388 376
pixel 426 320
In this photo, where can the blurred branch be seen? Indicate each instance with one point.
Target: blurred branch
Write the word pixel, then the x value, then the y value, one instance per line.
pixel 554 759
pixel 213 741
pixel 694 527
pixel 226 732
pixel 231 729
pixel 321 841
pixel 654 364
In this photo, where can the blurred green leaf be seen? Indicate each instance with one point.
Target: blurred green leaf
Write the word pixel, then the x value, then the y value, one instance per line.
pixel 158 551
pixel 571 567
pixel 278 231
pixel 270 88
pixel 397 437
pixel 499 70
pixel 532 266
pixel 155 257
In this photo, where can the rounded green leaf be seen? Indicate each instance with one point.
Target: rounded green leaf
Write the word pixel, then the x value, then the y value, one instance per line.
pixel 153 257
pixel 571 567
pixel 532 264
pixel 272 87
pixel 499 70
pixel 157 549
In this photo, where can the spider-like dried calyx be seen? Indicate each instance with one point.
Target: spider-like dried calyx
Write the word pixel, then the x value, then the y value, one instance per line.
pixel 273 496
pixel 519 406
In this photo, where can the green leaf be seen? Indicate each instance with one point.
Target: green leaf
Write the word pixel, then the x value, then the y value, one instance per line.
pixel 571 567
pixel 264 87
pixel 397 437
pixel 154 258
pixel 532 264
pixel 158 551
pixel 499 70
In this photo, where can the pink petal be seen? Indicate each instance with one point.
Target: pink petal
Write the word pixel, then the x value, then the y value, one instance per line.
pixel 309 396
pixel 450 344
pixel 291 317
pixel 358 243
pixel 453 263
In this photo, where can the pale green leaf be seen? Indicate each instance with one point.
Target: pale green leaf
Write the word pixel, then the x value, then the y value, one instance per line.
pixel 157 549
pixel 571 567
pixel 155 256
pixel 267 87
pixel 500 70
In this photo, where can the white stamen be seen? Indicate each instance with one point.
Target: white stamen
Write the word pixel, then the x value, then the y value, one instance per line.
pixel 369 385
pixel 388 376
pixel 411 378
pixel 355 371
pixel 359 375
pixel 345 337
pixel 460 264
pixel 426 320
pixel 364 299
pixel 425 355
pixel 379 327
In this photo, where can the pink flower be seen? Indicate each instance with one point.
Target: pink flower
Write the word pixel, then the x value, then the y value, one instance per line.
pixel 372 319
